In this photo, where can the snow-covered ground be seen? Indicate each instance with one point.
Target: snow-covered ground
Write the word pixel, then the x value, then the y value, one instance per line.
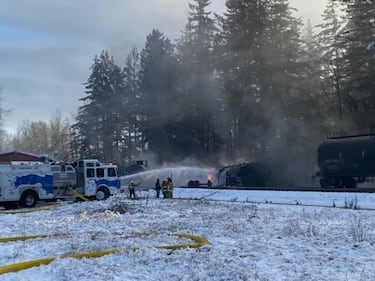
pixel 253 235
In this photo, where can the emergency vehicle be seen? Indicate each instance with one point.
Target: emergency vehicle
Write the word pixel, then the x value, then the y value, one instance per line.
pixel 24 183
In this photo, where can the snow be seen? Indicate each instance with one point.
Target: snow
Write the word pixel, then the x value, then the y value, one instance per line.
pixel 253 235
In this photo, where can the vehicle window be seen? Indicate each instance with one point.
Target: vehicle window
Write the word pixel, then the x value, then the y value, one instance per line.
pixel 90 173
pixel 100 172
pixel 112 172
pixel 55 168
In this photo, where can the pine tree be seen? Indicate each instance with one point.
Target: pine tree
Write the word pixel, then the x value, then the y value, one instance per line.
pixel 97 132
pixel 243 27
pixel 133 108
pixel 198 136
pixel 287 90
pixel 310 84
pixel 331 65
pixel 158 94
pixel 261 72
pixel 359 57
pixel 281 67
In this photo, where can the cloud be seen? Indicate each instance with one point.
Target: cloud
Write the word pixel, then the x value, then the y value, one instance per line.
pixel 47 47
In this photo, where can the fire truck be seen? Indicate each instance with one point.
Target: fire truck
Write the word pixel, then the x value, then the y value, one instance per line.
pixel 24 183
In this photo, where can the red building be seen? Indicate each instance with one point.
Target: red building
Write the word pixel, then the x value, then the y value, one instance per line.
pixel 18 156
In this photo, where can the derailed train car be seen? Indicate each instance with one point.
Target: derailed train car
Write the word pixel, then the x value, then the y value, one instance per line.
pixel 137 167
pixel 254 174
pixel 346 161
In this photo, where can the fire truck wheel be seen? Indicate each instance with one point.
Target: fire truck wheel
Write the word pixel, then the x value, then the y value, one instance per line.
pixel 28 199
pixel 102 193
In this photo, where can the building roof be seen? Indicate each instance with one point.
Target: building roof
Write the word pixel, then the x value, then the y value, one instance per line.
pixel 18 156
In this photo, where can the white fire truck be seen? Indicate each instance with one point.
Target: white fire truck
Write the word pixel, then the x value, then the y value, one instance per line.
pixel 24 183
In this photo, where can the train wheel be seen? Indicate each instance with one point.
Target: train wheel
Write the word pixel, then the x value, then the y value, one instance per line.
pixel 191 183
pixel 337 183
pixel 349 182
pixel 352 183
pixel 323 183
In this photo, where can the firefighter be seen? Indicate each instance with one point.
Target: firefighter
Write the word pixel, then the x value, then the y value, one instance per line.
pixel 132 189
pixel 164 188
pixel 169 188
pixel 157 188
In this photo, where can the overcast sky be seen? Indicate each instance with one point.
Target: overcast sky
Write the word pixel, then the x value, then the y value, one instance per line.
pixel 47 47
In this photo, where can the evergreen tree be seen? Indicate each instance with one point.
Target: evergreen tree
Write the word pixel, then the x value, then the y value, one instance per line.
pixel 157 78
pixel 243 28
pixel 97 132
pixel 261 71
pixel 287 92
pixel 331 66
pixel 198 115
pixel 359 70
pixel 281 68
pixel 266 77
pixel 133 108
pixel 310 84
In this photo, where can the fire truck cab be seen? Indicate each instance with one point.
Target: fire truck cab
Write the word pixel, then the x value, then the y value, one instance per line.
pixel 95 179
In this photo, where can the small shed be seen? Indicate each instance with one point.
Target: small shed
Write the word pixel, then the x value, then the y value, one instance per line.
pixel 18 156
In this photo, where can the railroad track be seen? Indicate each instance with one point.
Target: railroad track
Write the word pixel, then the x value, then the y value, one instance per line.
pixel 291 188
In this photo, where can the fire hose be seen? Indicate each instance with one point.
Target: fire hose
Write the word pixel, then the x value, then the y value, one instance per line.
pixel 76 193
pixel 198 242
pixel 28 210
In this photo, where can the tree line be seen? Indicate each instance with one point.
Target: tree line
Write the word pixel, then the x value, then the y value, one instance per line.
pixel 253 84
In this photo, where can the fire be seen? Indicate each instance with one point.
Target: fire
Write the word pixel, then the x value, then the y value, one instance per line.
pixel 209 180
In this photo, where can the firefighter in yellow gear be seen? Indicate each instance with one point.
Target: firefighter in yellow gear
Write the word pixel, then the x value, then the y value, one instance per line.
pixel 164 188
pixel 132 190
pixel 169 188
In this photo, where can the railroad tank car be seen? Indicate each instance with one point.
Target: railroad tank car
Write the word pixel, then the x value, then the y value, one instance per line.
pixel 346 161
